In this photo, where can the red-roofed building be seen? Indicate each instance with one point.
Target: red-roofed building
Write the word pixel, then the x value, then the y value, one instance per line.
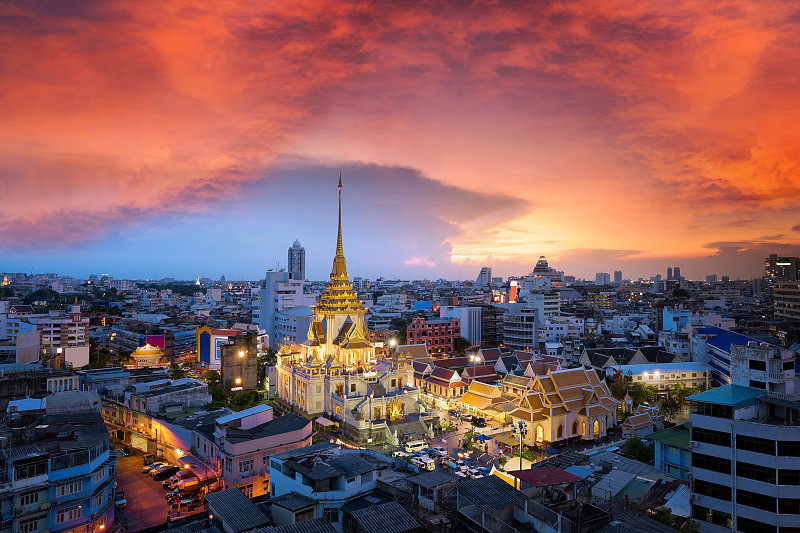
pixel 443 387
pixel 543 476
pixel 440 334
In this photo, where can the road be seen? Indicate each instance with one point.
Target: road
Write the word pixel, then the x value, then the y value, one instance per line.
pixel 146 504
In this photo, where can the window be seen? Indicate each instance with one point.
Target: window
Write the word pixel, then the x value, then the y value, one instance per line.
pixel 710 409
pixel 351 479
pixel 305 514
pixel 713 490
pixel 709 462
pixel 712 516
pixel 789 448
pixel 28 471
pixel 99 500
pixel 28 498
pixel 248 490
pixel 755 500
pixel 745 525
pixel 68 513
pixel 68 488
pixel 352 387
pixel 788 506
pixel 245 466
pixel 788 477
pixel 331 515
pixel 30 525
pixel 366 478
pixel 710 436
pixel 756 472
pixel 394 383
pixel 99 475
pixel 758 365
pixel 755 444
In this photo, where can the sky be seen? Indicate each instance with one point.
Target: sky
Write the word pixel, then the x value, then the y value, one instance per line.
pixel 201 138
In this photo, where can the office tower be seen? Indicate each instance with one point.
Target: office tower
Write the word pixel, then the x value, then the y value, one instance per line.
pixel 669 273
pixel 618 277
pixel 711 279
pixel 779 269
pixel 484 278
pixel 602 278
pixel 676 272
pixel 297 261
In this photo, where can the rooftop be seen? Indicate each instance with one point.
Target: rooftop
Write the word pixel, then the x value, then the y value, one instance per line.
pixel 677 436
pixel 735 396
pixel 236 510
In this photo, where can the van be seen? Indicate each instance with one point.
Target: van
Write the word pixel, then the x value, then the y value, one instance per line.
pixel 414 446
pixel 424 462
pixel 183 474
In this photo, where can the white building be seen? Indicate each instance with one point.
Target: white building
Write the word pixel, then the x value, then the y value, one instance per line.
pixel 745 445
pixel 280 292
pixel 470 321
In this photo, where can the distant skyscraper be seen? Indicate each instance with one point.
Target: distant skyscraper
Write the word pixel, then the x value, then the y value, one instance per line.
pixel 669 273
pixel 602 278
pixel 676 272
pixel 618 277
pixel 297 261
pixel 484 278
pixel 711 279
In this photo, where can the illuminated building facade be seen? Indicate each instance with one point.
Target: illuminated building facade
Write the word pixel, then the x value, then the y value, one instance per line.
pixel 335 372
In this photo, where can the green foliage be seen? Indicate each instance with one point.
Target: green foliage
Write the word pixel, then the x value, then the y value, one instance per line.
pixel 635 448
pixel 680 293
pixel 447 426
pixel 669 407
pixel 267 358
pixel 218 394
pixel 6 292
pixel 376 295
pixel 469 439
pixel 241 400
pixel 400 326
pixel 42 295
pixel 641 393
pixel 211 377
pixel 462 345
pixel 620 386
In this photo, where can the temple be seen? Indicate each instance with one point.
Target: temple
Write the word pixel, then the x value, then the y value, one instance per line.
pixel 335 373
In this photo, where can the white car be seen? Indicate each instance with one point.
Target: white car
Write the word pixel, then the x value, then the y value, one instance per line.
pixel 424 462
pixel 399 454
pixel 474 474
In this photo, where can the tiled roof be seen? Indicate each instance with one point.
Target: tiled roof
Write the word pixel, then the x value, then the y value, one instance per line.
pixel 388 517
pixel 490 493
pixel 545 476
pixel 236 510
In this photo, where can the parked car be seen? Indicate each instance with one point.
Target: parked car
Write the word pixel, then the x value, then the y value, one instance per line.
pixel 479 422
pixel 162 468
pixel 399 454
pixel 473 473
pixel 466 417
pixel 176 477
pixel 123 451
pixel 152 466
pixel 437 451
pixel 454 414
pixel 485 471
pixel 164 473
pixel 190 501
pixel 119 501
pixel 186 486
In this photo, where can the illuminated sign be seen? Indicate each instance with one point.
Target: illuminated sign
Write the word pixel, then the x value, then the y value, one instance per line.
pixel 233 389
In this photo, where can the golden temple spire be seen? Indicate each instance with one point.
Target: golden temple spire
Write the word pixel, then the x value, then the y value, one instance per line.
pixel 339 264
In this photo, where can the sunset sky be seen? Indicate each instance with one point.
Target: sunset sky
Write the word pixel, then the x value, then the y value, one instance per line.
pixel 151 139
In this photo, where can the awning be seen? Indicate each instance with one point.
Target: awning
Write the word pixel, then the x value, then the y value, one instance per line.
pixel 324 422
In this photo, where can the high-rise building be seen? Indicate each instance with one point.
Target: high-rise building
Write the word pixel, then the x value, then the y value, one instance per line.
pixel 779 269
pixel 602 278
pixel 787 300
pixel 618 277
pixel 297 261
pixel 669 273
pixel 745 445
pixel 484 278
pixel 711 279
pixel 676 273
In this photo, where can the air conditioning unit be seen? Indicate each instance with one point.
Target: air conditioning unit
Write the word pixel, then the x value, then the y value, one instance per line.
pixel 18 512
pixel 693 497
pixel 693 444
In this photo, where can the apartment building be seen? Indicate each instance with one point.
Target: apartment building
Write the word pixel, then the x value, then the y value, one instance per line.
pixel 440 335
pixel 745 446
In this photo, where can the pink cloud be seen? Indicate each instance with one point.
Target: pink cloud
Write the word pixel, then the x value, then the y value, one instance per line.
pixel 424 261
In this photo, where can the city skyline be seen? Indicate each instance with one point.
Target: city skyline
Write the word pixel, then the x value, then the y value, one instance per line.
pixel 202 141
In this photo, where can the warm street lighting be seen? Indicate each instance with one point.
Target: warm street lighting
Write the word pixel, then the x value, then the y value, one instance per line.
pixel 241 353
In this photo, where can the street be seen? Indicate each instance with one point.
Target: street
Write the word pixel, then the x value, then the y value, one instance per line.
pixel 146 505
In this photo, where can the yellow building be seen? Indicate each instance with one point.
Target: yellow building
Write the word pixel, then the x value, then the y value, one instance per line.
pixel 146 355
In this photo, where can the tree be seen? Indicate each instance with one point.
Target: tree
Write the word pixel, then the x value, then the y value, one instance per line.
pixel 636 449
pixel 669 407
pixel 212 377
pixel 641 393
pixel 462 344
pixel 680 293
pixel 400 325
pixel 469 439
pixel 6 292
pixel 41 295
pixel 619 386
pixel 376 295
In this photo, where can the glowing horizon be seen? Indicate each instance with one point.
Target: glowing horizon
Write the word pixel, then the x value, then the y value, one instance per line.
pixel 191 138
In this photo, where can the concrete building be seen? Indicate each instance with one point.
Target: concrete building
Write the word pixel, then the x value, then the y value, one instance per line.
pixel 786 297
pixel 292 324
pixel 280 292
pixel 602 278
pixel 238 446
pixel 672 447
pixel 617 277
pixel 440 335
pixel 239 363
pixel 56 473
pixel 296 261
pixel 745 445
pixel 484 278
pixel 469 320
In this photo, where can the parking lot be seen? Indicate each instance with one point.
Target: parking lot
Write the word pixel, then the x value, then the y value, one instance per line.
pixel 146 505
